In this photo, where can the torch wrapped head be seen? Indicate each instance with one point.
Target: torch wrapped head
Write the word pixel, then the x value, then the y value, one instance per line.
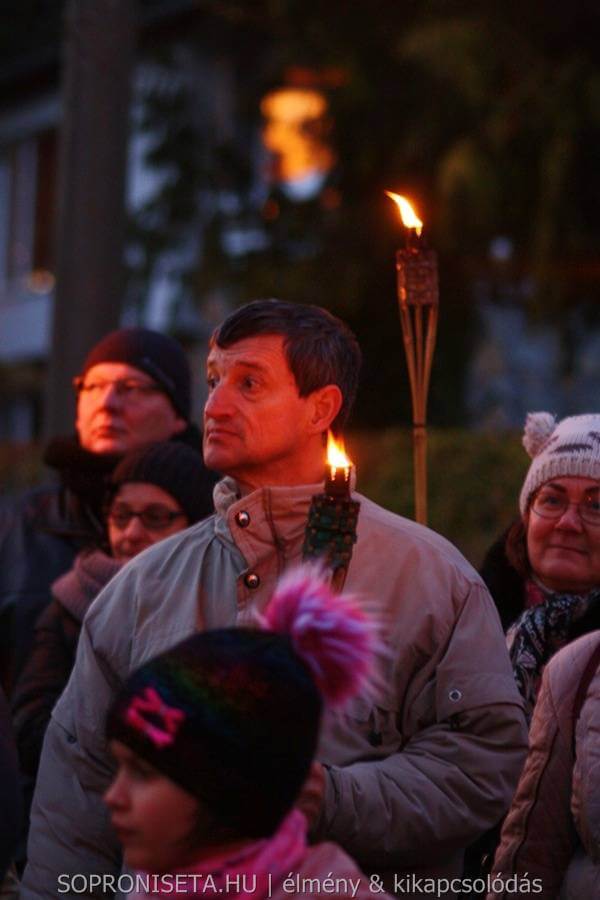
pixel 417 275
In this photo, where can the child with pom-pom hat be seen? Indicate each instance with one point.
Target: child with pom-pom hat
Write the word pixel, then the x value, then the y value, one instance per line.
pixel 214 739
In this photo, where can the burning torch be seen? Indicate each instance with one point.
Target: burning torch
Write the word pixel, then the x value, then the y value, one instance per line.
pixel 331 527
pixel 417 285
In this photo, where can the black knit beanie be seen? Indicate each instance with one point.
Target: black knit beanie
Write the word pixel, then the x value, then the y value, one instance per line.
pixel 159 355
pixel 232 716
pixel 177 469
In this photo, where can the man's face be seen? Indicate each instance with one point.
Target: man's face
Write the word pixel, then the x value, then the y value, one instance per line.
pixel 256 425
pixel 120 408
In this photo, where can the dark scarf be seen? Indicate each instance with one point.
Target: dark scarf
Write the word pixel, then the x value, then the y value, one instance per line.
pixel 541 630
pixel 84 477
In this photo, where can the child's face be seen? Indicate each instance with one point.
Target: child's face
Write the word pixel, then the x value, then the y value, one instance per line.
pixel 152 816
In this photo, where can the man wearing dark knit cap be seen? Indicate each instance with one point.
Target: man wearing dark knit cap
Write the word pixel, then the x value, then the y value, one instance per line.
pixel 134 389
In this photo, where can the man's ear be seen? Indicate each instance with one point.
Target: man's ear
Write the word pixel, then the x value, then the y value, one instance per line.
pixel 327 402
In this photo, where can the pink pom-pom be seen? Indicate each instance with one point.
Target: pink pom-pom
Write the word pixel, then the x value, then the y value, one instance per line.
pixel 330 632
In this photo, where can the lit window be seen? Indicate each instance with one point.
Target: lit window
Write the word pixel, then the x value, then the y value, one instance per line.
pixel 295 131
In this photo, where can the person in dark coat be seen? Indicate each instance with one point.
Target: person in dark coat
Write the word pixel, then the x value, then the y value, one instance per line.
pixel 154 492
pixel 134 389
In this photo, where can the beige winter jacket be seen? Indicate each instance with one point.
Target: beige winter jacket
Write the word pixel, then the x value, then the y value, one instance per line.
pixel 552 832
pixel 412 779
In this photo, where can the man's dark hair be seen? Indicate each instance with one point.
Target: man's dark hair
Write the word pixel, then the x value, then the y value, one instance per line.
pixel 320 349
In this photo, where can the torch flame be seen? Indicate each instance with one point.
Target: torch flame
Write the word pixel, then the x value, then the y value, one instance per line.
pixel 336 454
pixel 407 213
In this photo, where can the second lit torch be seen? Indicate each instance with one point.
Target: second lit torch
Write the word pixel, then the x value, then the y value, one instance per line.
pixel 418 301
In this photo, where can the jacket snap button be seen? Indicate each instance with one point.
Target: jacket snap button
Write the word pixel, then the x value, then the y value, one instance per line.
pixel 242 518
pixel 252 580
pixel 455 695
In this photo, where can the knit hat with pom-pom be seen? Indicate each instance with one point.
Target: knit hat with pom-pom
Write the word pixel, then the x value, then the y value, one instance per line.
pixel 232 715
pixel 559 449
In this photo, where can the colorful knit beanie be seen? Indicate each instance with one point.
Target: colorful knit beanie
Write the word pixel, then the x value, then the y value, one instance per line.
pixel 570 447
pixel 160 356
pixel 177 469
pixel 233 715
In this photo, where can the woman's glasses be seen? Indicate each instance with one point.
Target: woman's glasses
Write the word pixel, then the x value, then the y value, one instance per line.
pixel 550 504
pixel 154 517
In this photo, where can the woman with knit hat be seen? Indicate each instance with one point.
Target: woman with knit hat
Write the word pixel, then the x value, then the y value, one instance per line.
pixel 154 492
pixel 551 835
pixel 544 575
pixel 544 572
pixel 214 740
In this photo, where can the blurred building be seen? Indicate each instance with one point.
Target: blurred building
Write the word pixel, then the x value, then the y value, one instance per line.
pixel 218 200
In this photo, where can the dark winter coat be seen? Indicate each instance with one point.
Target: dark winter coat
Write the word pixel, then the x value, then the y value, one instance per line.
pixel 47 670
pixel 40 535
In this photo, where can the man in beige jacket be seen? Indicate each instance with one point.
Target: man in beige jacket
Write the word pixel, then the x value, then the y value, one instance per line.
pixel 405 780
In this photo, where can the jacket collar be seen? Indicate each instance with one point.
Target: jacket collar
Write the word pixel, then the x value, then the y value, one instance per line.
pixel 270 517
pixel 227 493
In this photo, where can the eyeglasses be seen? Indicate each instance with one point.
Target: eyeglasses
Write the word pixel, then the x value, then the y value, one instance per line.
pixel 154 517
pixel 550 504
pixel 126 388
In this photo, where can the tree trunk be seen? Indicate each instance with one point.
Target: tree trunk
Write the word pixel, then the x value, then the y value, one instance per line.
pixel 98 58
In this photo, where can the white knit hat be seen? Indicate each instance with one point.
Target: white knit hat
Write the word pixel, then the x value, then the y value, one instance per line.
pixel 570 447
